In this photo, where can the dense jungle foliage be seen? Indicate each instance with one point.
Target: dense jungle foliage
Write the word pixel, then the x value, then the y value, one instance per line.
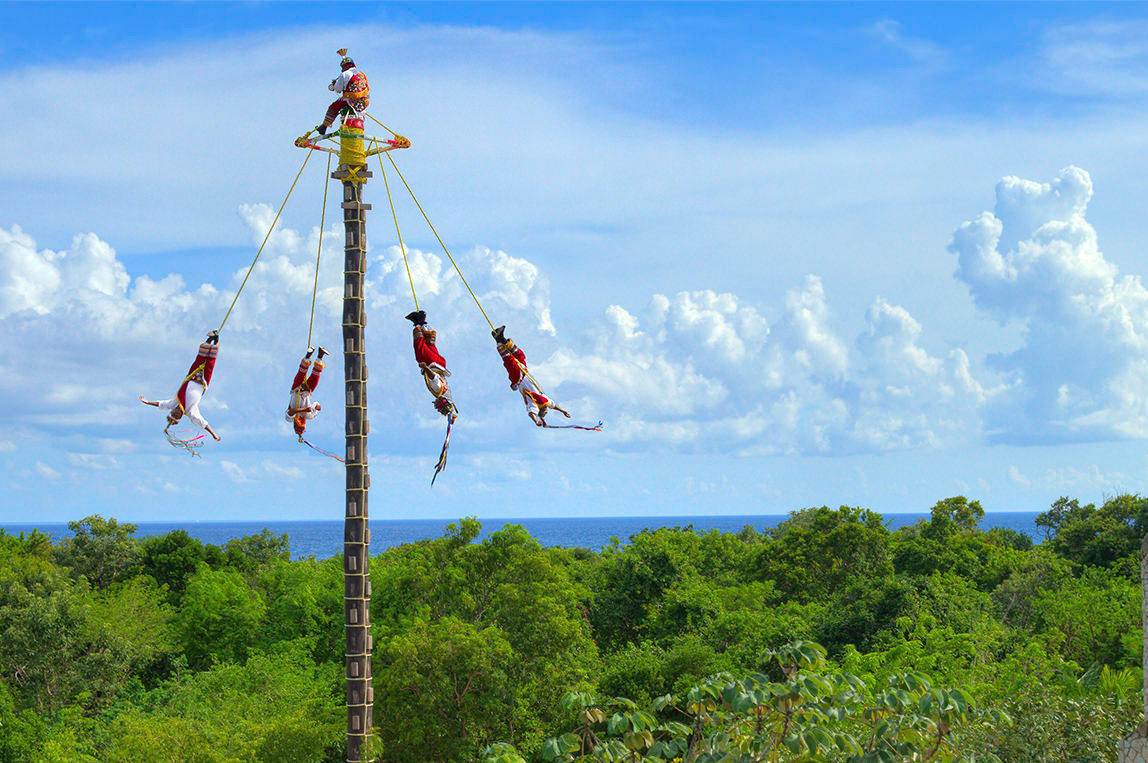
pixel 828 638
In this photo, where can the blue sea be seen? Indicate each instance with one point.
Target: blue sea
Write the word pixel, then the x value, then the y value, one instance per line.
pixel 325 539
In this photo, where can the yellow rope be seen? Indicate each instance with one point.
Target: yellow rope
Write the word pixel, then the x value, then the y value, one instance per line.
pixel 353 176
pixel 402 247
pixel 380 124
pixel 281 206
pixel 318 254
pixel 452 262
pixel 458 270
pixel 526 373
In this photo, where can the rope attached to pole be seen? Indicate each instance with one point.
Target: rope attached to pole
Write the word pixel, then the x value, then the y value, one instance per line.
pixel 526 373
pixel 281 206
pixel 402 247
pixel 380 124
pixel 318 254
pixel 435 232
pixel 458 270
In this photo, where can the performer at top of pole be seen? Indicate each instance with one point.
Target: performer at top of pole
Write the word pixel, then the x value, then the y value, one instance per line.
pixel 353 89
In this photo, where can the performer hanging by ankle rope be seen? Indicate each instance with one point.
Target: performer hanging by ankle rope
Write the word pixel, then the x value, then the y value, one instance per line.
pixel 432 365
pixel 514 360
pixel 186 400
pixel 300 409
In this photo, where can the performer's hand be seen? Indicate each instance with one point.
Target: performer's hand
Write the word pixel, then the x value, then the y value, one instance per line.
pixel 564 413
pixel 142 400
pixel 213 434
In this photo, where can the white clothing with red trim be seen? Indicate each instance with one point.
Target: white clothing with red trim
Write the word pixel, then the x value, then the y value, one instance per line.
pixel 536 402
pixel 344 79
pixel 300 398
pixel 436 384
pixel 192 396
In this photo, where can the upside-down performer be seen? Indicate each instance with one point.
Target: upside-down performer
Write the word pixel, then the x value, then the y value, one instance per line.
pixel 186 400
pixel 514 360
pixel 432 365
pixel 300 409
pixel 353 89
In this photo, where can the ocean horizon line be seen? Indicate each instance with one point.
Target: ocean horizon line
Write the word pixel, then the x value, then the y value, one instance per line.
pixel 323 538
pixel 556 518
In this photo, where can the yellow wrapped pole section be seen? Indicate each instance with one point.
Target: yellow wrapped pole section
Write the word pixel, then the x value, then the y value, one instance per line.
pixel 352 150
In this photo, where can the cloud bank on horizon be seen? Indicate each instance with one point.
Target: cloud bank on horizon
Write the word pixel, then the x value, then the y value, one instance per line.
pixel 696 371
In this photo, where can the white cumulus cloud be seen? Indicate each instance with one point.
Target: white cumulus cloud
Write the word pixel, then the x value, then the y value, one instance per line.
pixel 1082 370
pixel 97 338
pixel 695 370
pixel 698 370
pixel 702 369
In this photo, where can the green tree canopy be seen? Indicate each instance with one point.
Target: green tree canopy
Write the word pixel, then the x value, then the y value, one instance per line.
pixel 820 550
pixel 219 617
pixel 1097 536
pixel 102 550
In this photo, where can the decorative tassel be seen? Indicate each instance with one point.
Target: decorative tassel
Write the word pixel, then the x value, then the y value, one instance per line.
pixel 191 447
pixel 320 451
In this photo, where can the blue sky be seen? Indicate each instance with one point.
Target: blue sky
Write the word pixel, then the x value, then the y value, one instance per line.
pixel 801 254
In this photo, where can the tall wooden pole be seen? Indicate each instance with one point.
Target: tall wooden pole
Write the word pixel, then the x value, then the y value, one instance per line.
pixel 1134 747
pixel 356 534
